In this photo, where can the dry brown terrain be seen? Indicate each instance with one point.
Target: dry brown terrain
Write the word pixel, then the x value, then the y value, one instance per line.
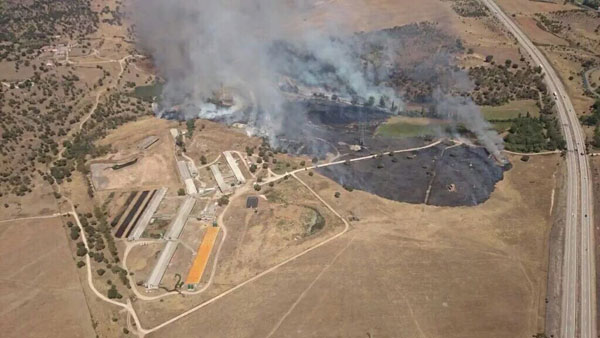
pixel 402 270
pixel 406 271
pixel 210 139
pixel 155 166
pixel 531 7
pixel 567 35
pixel 40 282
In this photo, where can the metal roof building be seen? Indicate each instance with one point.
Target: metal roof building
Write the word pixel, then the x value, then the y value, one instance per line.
pixel 234 167
pixel 161 265
pixel 181 218
pixel 252 202
pixel 146 216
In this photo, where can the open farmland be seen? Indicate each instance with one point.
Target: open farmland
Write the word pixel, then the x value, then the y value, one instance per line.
pixel 406 271
pixel 510 110
pixel 40 282
pixel 382 208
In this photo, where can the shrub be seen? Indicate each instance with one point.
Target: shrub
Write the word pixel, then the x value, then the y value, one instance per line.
pixel 337 194
pixel 81 251
pixel 224 200
pixel 74 233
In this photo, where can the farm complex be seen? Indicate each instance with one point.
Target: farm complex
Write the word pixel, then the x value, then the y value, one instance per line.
pixel 357 168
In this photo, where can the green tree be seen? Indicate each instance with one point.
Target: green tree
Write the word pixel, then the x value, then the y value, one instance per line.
pixel 370 102
pixel 224 200
pixel 597 136
pixel 81 251
pixel 191 126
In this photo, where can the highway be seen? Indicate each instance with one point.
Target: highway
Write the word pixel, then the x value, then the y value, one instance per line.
pixel 578 287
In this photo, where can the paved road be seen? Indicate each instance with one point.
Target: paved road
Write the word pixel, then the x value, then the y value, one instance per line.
pixel 578 311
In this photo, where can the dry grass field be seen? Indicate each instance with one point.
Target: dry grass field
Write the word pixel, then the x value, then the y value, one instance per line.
pixel 155 166
pixel 406 271
pixel 529 7
pixel 538 35
pixel 40 202
pixel 210 139
pixel 40 282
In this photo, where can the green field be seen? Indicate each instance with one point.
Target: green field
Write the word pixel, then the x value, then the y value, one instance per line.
pixel 404 128
pixel 148 92
pixel 511 110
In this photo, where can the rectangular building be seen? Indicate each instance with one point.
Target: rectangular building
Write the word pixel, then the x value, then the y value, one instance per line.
pixel 174 132
pixel 161 265
pixel 147 142
pixel 234 167
pixel 184 173
pixel 219 178
pixel 197 270
pixel 146 216
pixel 190 187
pixel 178 223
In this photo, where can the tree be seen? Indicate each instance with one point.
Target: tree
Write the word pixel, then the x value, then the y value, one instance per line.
pixel 180 192
pixel 257 187
pixel 80 264
pixel 113 293
pixel 382 102
pixel 337 194
pixel 253 168
pixel 100 272
pixel 597 136
pixel 489 58
pixel 191 126
pixel 224 200
pixel 81 251
pixel 370 102
pixel 75 233
pixel 203 159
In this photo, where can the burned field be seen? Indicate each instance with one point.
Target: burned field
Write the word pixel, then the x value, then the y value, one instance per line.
pixel 441 175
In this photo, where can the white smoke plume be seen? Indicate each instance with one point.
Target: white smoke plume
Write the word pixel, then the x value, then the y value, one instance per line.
pixel 200 46
pixel 252 46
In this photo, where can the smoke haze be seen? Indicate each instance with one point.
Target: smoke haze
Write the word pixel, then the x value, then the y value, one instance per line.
pixel 252 46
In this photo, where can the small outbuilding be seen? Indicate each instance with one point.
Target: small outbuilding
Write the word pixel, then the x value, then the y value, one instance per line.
pixel 252 202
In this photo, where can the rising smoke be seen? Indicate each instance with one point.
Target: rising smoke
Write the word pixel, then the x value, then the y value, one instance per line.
pixel 252 46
